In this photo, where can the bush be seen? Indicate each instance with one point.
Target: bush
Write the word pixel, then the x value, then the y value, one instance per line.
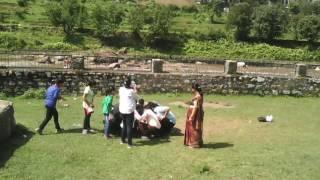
pixel 59 46
pixel 136 18
pixel 64 13
pixel 216 35
pixel 269 21
pixel 22 3
pixel 212 34
pixel 10 42
pixel 189 9
pixel 309 28
pixel 239 18
pixel 223 49
pixel 162 21
pixel 3 96
pixel 107 19
pixel 20 13
pixel 34 94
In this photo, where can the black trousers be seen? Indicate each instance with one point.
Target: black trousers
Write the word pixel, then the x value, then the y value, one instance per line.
pixel 86 120
pixel 50 112
pixel 166 127
pixel 126 131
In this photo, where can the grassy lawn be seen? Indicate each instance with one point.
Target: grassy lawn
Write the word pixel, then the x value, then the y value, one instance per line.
pixel 237 146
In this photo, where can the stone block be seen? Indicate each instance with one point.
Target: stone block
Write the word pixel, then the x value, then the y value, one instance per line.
pixel 157 66
pixel 7 120
pixel 301 70
pixel 77 62
pixel 230 67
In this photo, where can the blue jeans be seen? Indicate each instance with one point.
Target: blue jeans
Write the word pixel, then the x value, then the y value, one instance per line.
pixel 106 124
pixel 126 131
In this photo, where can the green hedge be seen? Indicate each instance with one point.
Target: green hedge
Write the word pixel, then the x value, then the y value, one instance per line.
pixel 234 50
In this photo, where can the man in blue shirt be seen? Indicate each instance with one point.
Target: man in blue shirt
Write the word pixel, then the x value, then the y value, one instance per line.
pixel 52 96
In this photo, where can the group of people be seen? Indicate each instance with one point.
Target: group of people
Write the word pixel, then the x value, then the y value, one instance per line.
pixel 151 119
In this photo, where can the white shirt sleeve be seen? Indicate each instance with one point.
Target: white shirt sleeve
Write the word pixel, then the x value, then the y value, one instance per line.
pixel 86 90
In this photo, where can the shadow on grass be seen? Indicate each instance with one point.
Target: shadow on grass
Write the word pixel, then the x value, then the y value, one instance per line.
pixel 151 142
pixel 19 138
pixel 217 145
pixel 79 131
pixel 176 132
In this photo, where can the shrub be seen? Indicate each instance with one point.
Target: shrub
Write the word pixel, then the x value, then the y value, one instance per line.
pixel 10 42
pixel 59 46
pixel 228 49
pixel 3 95
pixel 34 93
pixel 22 3
pixel 162 21
pixel 189 9
pixel 239 18
pixel 64 13
pixel 216 35
pixel 107 19
pixel 136 18
pixel 309 28
pixel 269 21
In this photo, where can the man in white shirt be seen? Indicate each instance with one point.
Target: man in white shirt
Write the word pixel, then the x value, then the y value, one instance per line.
pixel 88 106
pixel 127 104
pixel 167 118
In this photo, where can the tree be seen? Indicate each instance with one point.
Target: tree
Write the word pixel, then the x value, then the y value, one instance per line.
pixel 239 18
pixel 64 13
pixel 83 14
pixel 269 21
pixel 294 8
pixel 216 8
pixel 294 25
pixel 161 21
pixel 316 7
pixel 309 28
pixel 107 19
pixel 136 18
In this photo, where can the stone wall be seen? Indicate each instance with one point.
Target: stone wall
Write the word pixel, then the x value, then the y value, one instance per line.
pixel 16 82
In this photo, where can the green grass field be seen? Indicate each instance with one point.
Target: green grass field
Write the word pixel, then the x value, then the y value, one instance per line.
pixel 237 146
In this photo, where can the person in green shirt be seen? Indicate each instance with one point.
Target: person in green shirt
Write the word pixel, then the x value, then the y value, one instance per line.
pixel 106 109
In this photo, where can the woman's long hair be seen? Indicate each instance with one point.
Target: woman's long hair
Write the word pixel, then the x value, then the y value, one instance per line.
pixel 198 88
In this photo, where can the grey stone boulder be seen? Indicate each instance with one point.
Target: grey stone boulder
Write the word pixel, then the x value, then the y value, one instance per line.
pixel 7 120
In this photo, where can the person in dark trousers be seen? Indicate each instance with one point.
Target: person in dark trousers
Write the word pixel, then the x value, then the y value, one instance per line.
pixel 127 105
pixel 52 96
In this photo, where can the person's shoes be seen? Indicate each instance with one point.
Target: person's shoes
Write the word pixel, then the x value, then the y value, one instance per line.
pixel 38 131
pixel 107 136
pixel 145 138
pixel 121 142
pixel 130 146
pixel 59 130
pixel 85 132
pixel 92 131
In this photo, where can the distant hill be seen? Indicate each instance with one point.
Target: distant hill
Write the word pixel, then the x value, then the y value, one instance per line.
pixel 177 2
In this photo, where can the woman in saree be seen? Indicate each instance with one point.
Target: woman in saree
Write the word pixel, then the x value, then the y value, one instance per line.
pixel 194 122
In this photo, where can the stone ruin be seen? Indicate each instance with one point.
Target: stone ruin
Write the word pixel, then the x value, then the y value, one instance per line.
pixel 7 120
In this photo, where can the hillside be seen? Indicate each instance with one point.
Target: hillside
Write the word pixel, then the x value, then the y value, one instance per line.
pixel 177 2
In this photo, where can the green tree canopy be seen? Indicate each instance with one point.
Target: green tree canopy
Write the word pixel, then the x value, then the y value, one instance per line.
pixel 64 13
pixel 309 28
pixel 107 18
pixel 161 21
pixel 269 21
pixel 239 18
pixel 136 18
